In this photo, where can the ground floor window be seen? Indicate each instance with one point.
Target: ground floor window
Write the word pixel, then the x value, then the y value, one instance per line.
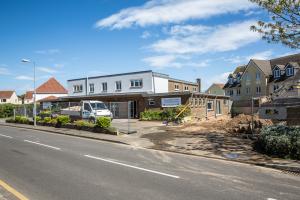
pixel 210 105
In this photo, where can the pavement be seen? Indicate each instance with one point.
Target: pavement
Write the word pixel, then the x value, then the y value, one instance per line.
pixel 43 166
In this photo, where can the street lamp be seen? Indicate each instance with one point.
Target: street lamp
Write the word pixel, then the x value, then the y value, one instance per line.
pixel 34 97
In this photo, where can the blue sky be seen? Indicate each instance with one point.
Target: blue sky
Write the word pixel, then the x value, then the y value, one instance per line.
pixel 76 38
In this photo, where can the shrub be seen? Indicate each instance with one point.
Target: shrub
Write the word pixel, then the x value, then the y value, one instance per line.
pixel 47 119
pixel 22 120
pixel 63 119
pixel 81 123
pixel 281 141
pixel 10 120
pixel 38 118
pixel 53 121
pixel 45 113
pixel 103 122
pixel 6 110
pixel 166 114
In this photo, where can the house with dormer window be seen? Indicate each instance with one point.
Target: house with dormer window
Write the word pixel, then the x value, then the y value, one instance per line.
pixel 275 78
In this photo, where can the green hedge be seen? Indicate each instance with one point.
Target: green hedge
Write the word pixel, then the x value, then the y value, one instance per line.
pixel 103 122
pixel 280 141
pixel 165 114
pixel 6 110
pixel 63 119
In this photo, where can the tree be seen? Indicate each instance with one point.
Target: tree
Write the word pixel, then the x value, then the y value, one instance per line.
pixel 285 24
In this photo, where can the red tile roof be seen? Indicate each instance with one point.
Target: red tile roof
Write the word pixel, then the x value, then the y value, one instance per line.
pixel 6 94
pixel 49 99
pixel 52 86
pixel 29 95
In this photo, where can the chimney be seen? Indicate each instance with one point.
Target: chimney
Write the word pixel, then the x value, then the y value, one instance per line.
pixel 198 80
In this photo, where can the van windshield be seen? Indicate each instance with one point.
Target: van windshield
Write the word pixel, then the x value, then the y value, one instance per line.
pixel 98 106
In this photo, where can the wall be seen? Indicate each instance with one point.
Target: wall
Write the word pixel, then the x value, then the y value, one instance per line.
pixel 160 84
pixel 125 79
pixel 251 70
pixel 42 96
pixel 172 83
pixel 214 89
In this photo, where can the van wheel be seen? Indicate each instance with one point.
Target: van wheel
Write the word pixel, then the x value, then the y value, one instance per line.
pixel 92 120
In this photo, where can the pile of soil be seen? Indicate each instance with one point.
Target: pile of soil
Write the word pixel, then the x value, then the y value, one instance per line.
pixel 242 124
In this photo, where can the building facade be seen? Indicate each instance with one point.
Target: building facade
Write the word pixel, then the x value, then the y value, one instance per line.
pixel 265 80
pixel 9 97
pixel 126 83
pixel 216 88
pixel 51 88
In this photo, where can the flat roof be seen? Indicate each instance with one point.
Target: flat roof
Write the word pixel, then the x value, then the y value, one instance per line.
pixel 122 74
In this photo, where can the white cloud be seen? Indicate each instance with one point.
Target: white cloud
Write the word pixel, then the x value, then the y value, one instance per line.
pixel 177 61
pixel 146 34
pixel 185 30
pixel 4 71
pixel 220 39
pixel 48 51
pixel 263 55
pixel 47 70
pixel 156 12
pixel 22 77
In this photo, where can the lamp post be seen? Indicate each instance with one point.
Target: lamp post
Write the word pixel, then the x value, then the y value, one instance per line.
pixel 34 96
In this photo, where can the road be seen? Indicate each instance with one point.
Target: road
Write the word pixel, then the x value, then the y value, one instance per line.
pixel 45 166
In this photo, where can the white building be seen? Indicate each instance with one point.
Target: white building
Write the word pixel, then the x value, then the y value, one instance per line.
pixel 51 88
pixel 134 82
pixel 9 97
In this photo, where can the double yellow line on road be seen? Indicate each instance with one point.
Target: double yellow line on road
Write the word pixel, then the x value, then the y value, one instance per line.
pixel 13 191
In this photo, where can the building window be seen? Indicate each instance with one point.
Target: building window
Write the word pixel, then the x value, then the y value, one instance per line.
pixel 248 90
pixel 77 88
pixel 176 86
pixel 210 105
pixel 151 102
pixel 275 87
pixel 231 92
pixel 195 89
pixel 92 88
pixel 290 71
pixel 248 79
pixel 276 73
pixel 118 85
pixel 186 88
pixel 238 92
pixel 136 83
pixel 231 81
pixel 257 77
pixel 104 87
pixel 258 90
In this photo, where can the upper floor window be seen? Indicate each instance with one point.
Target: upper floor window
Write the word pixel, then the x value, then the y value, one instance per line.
pixel 248 79
pixel 231 92
pixel 104 87
pixel 92 88
pixel 276 73
pixel 238 92
pixel 186 88
pixel 289 71
pixel 118 85
pixel 248 90
pixel 195 89
pixel 275 87
pixel 257 76
pixel 77 88
pixel 176 86
pixel 136 83
pixel 258 90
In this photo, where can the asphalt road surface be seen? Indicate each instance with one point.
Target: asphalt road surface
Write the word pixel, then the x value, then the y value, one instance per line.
pixel 45 166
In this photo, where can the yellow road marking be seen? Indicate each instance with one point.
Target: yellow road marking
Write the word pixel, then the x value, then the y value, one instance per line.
pixel 13 191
